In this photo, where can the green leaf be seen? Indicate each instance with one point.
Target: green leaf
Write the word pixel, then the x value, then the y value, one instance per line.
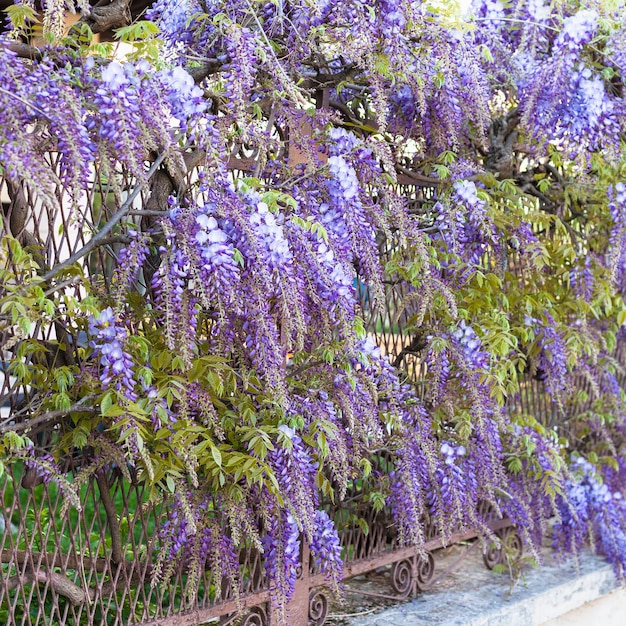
pixel 171 484
pixel 137 31
pixel 20 15
pixel 114 411
pixel 216 454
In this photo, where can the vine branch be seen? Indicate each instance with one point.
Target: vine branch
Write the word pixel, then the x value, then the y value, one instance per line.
pixel 106 229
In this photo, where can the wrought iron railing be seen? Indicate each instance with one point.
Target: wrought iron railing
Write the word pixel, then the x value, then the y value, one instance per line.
pixel 63 566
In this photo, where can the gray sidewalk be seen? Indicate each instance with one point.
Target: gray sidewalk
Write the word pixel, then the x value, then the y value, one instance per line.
pixel 474 596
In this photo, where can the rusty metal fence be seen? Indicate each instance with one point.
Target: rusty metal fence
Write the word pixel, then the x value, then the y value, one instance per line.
pixel 60 566
pixel 95 567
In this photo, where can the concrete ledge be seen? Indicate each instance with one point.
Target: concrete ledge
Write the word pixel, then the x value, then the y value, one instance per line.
pixel 607 610
pixel 474 596
pixel 540 607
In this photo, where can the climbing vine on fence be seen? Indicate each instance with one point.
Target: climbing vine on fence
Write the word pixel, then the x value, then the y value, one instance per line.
pixel 229 174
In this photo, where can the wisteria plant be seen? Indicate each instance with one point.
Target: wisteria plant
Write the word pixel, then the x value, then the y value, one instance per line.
pixel 233 168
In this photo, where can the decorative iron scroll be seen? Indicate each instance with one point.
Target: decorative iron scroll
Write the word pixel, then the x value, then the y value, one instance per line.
pixel 318 607
pixel 403 577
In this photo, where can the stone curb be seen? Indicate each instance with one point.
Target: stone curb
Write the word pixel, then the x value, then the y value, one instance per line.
pixel 481 598
pixel 552 603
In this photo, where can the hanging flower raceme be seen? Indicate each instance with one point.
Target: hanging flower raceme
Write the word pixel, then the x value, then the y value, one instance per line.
pixel 177 308
pixel 295 471
pixel 239 77
pixel 591 118
pixel 351 223
pixel 327 294
pixel 118 101
pixel 452 480
pixel 185 99
pixel 198 267
pixel 551 363
pixel 281 552
pixel 465 226
pixel 591 509
pixel 48 470
pixel 116 365
pixel 58 97
pixel 130 262
pixel 463 363
pixel 616 253
pixel 182 28
pixel 553 94
pixel 537 475
pixel 192 540
pixel 459 369
pixel 582 280
pixel 326 547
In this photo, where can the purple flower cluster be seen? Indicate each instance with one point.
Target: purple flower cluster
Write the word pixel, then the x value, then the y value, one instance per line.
pixel 176 306
pixel 295 470
pixel 218 265
pixel 281 551
pixel 449 492
pixel 326 546
pixel 524 240
pixel 590 118
pixel 319 406
pixel 463 363
pixel 269 234
pixel 337 287
pixel 192 539
pixel 107 341
pixel 563 94
pixel 48 470
pixel 408 496
pixel 616 253
pixel 350 224
pixel 491 13
pixel 468 343
pixel 58 98
pixel 118 102
pixel 184 96
pixel 391 19
pixel 344 183
pixel 552 360
pixel 321 274
pixel 130 261
pixel 240 47
pixel 44 465
pixel 532 488
pixel 198 266
pixel 591 509
pixel 578 29
pixel 539 10
pixel 181 27
pixel 582 280
pixel 465 226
